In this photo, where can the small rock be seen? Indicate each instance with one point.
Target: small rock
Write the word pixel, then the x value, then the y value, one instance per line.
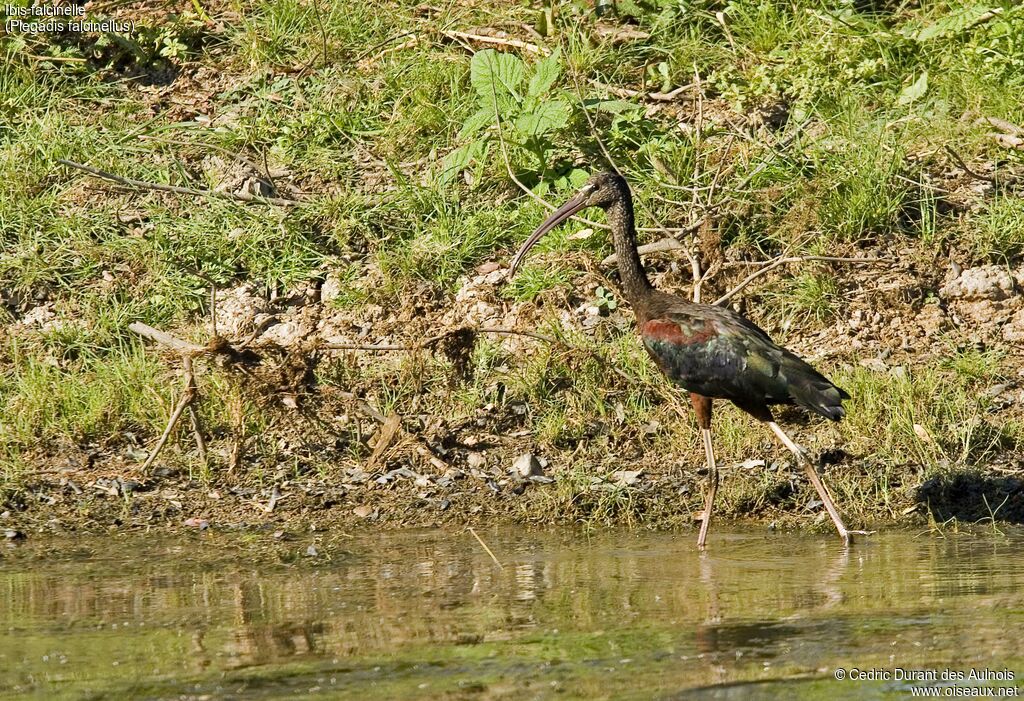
pixel 932 320
pixel 996 390
pixel 476 460
pixel 200 523
pixel 626 478
pixel 990 282
pixel 750 464
pixel 1013 332
pixel 11 534
pixel 526 465
pixel 923 434
pixel 311 551
pixel 363 511
pixel 331 289
pixel 286 334
pixel 874 364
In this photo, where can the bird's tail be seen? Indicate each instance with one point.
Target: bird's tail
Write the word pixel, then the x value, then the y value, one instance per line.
pixel 812 390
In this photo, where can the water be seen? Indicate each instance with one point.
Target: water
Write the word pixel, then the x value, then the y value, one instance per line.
pixel 613 615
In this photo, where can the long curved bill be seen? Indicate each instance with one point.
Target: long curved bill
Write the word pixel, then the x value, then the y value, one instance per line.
pixel 573 205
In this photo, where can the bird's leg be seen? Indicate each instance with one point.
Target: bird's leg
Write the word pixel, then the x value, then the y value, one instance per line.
pixel 702 407
pixel 812 475
pixel 709 501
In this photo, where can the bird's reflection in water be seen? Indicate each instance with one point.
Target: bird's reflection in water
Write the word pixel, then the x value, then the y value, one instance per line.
pixel 723 637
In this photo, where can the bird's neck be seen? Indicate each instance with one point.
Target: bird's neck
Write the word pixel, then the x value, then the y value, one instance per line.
pixel 635 284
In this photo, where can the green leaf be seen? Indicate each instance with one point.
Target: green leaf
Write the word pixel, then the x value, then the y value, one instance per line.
pixel 545 24
pixel 914 91
pixel 578 176
pixel 460 159
pixel 477 121
pixel 545 74
pixel 955 22
pixel 548 116
pixel 496 77
pixel 628 8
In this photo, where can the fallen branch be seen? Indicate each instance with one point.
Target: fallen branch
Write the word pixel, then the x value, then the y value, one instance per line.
pixel 187 397
pixel 263 173
pixel 498 41
pixel 1002 125
pixel 166 339
pixel 785 261
pixel 434 339
pixel 146 185
pixel 366 63
pixel 486 549
pixel 389 430
pixel 187 351
pixel 967 169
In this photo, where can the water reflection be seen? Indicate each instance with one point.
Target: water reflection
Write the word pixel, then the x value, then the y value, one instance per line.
pixel 409 614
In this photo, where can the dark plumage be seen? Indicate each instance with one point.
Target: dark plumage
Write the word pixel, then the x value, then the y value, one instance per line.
pixel 719 354
pixel 711 351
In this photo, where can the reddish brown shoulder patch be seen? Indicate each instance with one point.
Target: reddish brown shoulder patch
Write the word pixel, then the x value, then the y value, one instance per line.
pixel 673 332
pixel 662 330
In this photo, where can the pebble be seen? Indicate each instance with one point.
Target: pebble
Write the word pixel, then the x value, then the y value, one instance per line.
pixel 527 465
pixel 626 478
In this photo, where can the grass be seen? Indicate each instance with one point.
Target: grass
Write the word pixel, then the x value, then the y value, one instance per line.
pixel 822 132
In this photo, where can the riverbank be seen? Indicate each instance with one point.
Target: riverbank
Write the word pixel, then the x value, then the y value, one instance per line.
pixel 333 262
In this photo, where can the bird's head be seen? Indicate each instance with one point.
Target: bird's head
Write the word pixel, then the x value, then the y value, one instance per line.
pixel 601 190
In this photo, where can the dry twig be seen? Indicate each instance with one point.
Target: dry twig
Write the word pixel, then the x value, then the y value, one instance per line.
pixel 146 185
pixel 784 261
pixel 498 41
pixel 488 550
pixel 967 169
pixel 434 339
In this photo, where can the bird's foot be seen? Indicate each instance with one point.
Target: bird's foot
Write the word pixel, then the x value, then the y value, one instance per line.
pixel 847 536
pixel 803 455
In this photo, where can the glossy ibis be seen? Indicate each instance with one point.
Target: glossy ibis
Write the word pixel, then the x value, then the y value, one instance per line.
pixel 711 351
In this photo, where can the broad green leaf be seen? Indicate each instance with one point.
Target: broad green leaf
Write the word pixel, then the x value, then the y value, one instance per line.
pixel 628 8
pixel 460 159
pixel 914 91
pixel 545 74
pixel 955 22
pixel 496 76
pixel 578 176
pixel 477 121
pixel 548 116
